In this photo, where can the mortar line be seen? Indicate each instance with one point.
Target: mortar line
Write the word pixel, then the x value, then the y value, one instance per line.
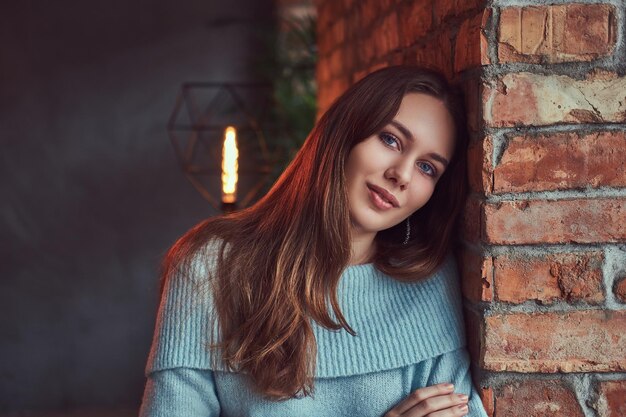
pixel 558 195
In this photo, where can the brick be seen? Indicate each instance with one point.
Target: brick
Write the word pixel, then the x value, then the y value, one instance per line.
pixel 443 10
pixel 386 35
pixel 474 329
pixel 446 9
pixel 385 5
pixel 589 29
pixel 324 42
pixel 471 48
pixel 522 31
pixel 367 49
pixel 562 161
pixel 437 53
pixel 328 93
pixel 533 99
pixel 584 220
pixel 325 17
pixel 348 5
pixel 537 398
pixel 416 20
pixel 575 341
pixel 352 27
pixel 376 66
pixel 336 8
pixel 619 289
pixel 547 278
pixel 611 401
pixel 396 58
pixel 472 229
pixel 336 63
pixel 338 30
pixel 358 75
pixel 476 273
pixel 558 33
pixel 472 93
pixel 479 171
pixel 369 11
pixel 487 397
pixel 322 72
pixel 350 60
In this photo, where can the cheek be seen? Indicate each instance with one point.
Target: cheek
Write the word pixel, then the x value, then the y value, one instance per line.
pixel 355 170
pixel 351 166
pixel 420 195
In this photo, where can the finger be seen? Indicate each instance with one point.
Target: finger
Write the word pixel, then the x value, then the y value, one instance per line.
pixel 454 411
pixel 438 406
pixel 421 394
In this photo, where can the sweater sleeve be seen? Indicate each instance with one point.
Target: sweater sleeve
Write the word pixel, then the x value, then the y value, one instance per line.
pixel 452 367
pixel 180 392
pixel 180 380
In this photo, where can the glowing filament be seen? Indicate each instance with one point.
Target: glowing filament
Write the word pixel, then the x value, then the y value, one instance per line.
pixel 230 154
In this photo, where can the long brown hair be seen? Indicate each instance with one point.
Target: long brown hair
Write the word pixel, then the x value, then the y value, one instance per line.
pixel 286 253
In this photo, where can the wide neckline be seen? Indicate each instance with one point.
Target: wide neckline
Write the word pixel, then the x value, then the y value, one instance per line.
pixel 396 324
pixel 369 263
pixel 350 269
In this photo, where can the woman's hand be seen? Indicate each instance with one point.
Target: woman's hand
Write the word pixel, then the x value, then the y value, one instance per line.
pixel 433 401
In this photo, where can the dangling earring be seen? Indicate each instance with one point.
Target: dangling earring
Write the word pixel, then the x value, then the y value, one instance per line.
pixel 408 231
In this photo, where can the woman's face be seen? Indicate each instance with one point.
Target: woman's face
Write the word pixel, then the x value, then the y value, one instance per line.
pixel 405 159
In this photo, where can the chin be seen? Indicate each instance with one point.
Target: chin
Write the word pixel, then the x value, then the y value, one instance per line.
pixel 366 223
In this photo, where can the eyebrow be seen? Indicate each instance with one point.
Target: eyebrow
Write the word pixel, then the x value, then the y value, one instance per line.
pixel 407 133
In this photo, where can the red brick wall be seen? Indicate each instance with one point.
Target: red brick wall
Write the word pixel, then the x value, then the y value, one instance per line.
pixel 544 268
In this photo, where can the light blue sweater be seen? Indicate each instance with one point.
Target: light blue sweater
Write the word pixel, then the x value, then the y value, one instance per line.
pixel 408 336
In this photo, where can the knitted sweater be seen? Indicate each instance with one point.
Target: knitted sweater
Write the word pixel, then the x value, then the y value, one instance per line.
pixel 408 336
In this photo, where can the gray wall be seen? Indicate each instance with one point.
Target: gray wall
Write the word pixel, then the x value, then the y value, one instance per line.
pixel 90 191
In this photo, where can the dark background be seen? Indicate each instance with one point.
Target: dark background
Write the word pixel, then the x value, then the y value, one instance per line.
pixel 91 192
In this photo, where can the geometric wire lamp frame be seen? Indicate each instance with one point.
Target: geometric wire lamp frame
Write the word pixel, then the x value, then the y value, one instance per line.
pixel 196 128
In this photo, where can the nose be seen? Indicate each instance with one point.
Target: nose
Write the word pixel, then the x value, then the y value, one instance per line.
pixel 400 173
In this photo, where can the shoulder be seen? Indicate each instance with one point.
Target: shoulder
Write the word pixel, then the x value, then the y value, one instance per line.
pixel 196 266
pixel 440 288
pixel 447 276
pixel 185 318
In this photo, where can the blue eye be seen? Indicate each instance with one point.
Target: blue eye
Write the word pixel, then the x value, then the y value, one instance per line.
pixel 432 171
pixel 388 139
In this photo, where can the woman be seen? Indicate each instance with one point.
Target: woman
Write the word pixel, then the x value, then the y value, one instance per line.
pixel 337 293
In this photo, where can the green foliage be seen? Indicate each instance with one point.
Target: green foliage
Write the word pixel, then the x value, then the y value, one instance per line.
pixel 289 65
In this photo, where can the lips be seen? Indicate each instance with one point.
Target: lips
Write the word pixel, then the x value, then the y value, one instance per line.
pixel 386 195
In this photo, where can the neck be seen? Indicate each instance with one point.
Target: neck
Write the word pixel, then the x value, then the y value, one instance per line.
pixel 363 248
